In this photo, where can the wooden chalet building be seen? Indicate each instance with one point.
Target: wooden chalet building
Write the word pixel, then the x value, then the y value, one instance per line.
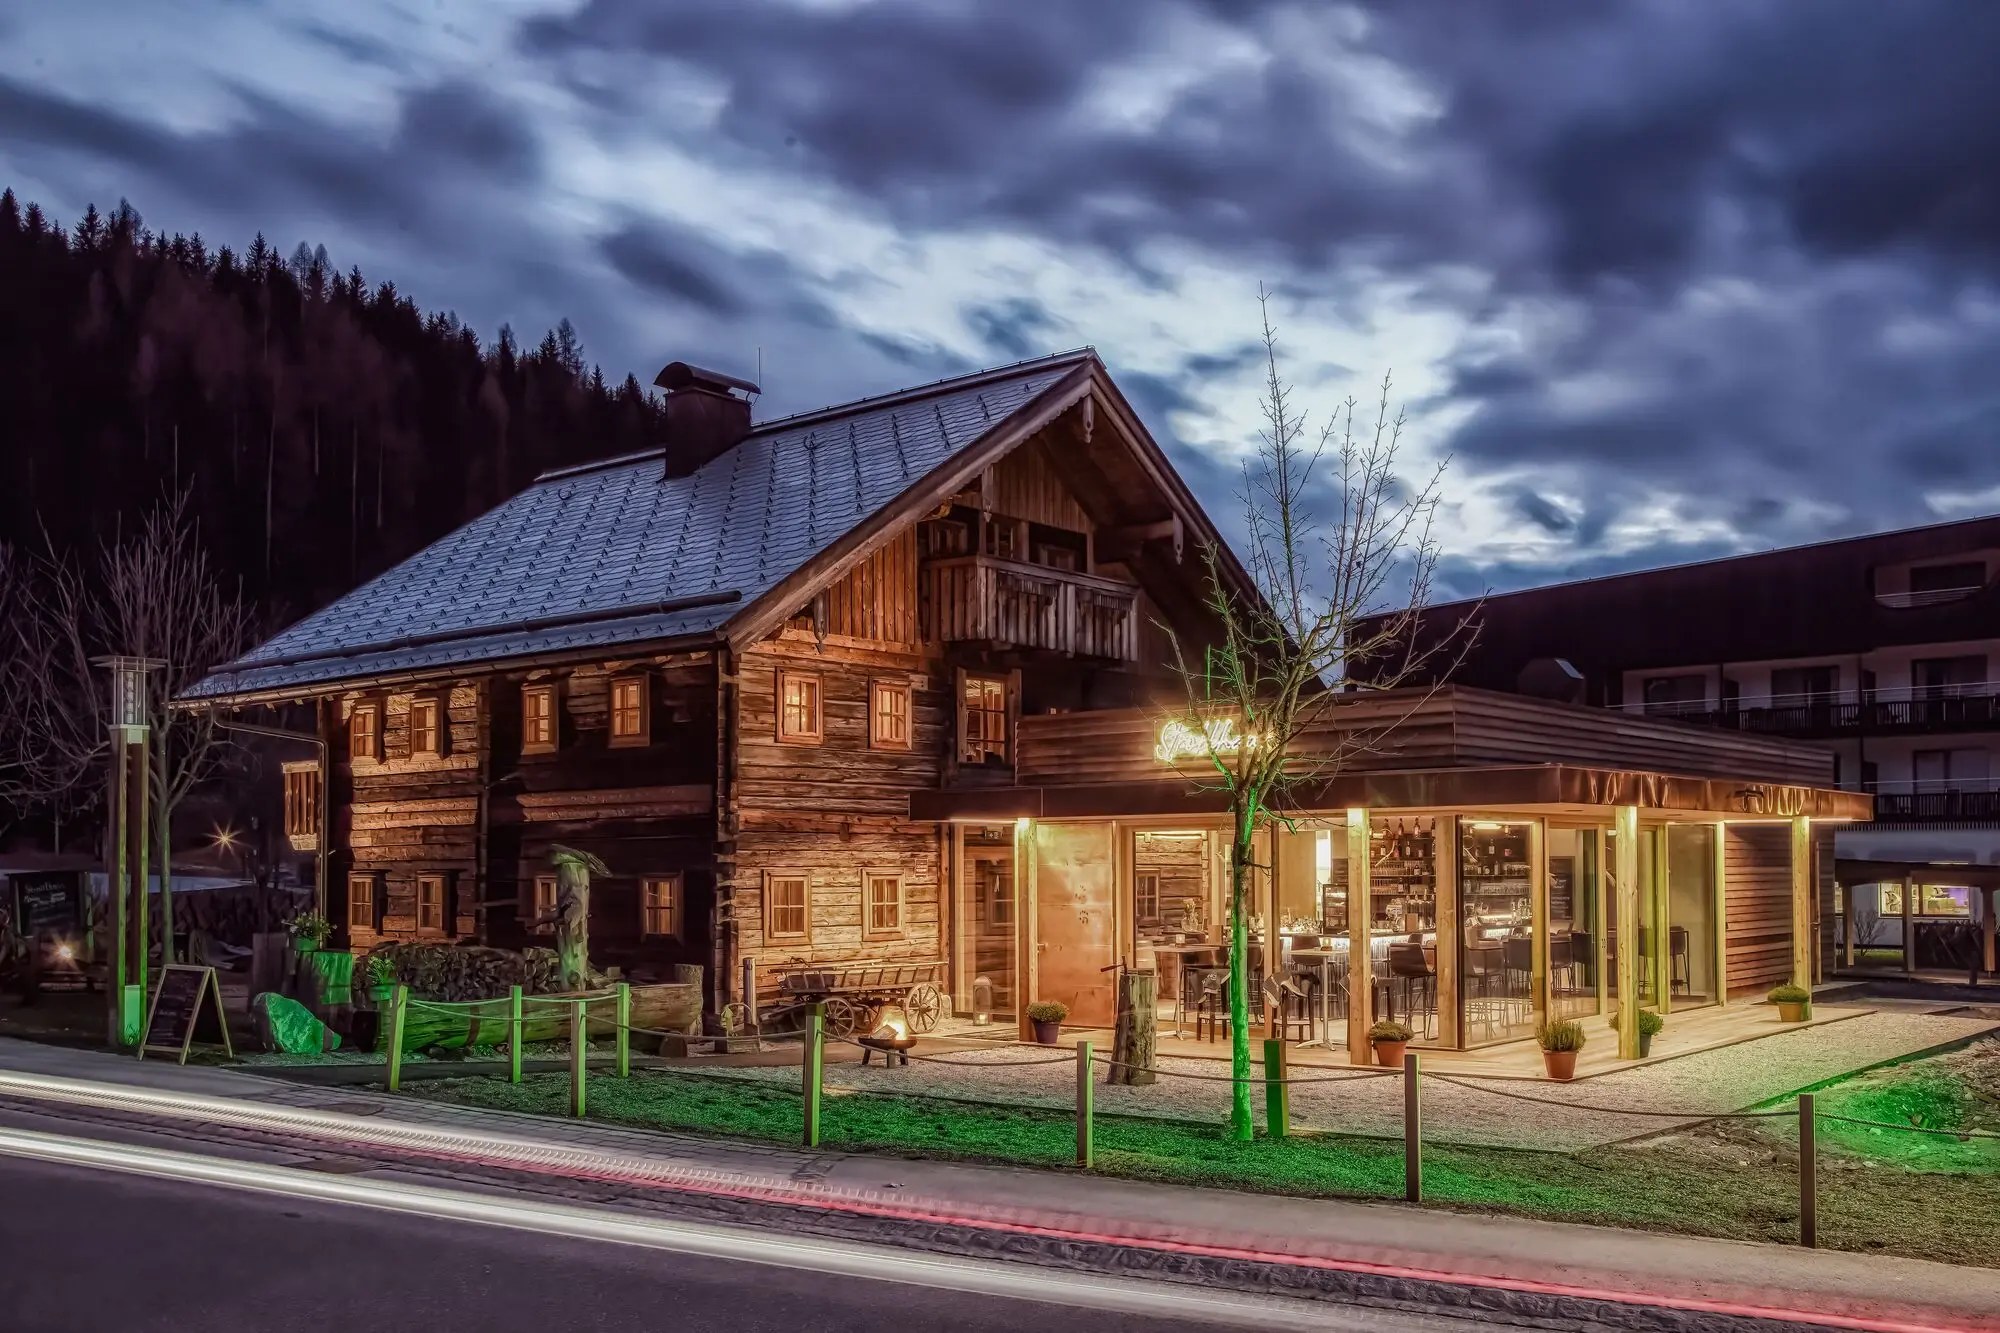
pixel 725 666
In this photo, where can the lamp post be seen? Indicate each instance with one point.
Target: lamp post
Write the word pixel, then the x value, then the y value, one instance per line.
pixel 125 855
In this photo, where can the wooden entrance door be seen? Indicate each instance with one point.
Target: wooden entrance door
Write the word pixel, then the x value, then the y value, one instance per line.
pixel 1075 874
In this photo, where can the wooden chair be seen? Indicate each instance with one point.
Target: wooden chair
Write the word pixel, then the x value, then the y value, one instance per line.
pixel 1290 1006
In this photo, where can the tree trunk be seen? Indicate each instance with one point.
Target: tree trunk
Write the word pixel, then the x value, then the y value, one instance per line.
pixel 1134 1040
pixel 163 817
pixel 573 923
pixel 1242 1125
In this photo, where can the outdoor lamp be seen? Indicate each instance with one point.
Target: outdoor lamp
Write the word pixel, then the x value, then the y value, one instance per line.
pixel 982 1001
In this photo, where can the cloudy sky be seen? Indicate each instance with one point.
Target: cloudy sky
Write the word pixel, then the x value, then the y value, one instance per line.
pixel 1663 279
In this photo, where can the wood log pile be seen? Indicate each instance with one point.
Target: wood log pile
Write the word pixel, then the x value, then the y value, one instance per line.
pixel 466 972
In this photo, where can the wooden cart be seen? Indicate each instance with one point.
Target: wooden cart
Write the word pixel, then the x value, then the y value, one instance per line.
pixel 852 995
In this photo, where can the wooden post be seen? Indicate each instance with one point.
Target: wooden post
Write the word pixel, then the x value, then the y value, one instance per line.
pixel 1086 1125
pixel 1662 961
pixel 1277 1106
pixel 398 1009
pixel 1027 959
pixel 1135 1039
pixel 1449 984
pixel 624 1029
pixel 514 1026
pixel 1721 932
pixel 1802 902
pixel 1808 1173
pixel 750 992
pixel 1909 924
pixel 1989 938
pixel 1360 941
pixel 813 1070
pixel 579 1036
pixel 1627 818
pixel 1413 1137
pixel 1540 983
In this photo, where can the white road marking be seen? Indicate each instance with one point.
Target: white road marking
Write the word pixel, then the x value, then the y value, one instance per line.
pixel 1003 1281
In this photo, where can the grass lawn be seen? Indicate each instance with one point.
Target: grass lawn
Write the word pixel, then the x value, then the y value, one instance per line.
pixel 1934 1198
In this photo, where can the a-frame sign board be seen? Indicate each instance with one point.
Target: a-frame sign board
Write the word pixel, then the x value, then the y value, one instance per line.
pixel 176 1011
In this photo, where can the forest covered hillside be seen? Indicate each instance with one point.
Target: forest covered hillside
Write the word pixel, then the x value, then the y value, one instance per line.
pixel 325 426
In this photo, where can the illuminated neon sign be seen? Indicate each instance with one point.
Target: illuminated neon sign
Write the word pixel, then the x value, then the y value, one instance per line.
pixel 1218 736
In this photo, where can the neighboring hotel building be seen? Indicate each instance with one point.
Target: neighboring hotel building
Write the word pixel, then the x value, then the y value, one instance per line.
pixel 1884 650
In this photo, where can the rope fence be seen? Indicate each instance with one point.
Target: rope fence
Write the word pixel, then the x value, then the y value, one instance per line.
pixel 1276 1079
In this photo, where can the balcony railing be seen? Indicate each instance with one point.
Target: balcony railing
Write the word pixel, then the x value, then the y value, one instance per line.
pixel 1918 708
pixel 1941 800
pixel 1928 597
pixel 982 599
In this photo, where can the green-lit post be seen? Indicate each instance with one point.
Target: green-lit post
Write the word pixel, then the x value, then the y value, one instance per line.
pixel 1413 1131
pixel 1086 1121
pixel 399 1008
pixel 1277 1107
pixel 624 1029
pixel 1808 1173
pixel 579 1039
pixel 813 1068
pixel 514 1030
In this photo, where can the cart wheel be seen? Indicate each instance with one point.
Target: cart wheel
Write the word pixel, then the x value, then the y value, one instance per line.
pixel 735 1018
pixel 923 1005
pixel 842 1017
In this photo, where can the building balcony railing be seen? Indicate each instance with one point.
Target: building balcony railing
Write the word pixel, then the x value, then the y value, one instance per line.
pixel 1897 802
pixel 1928 597
pixel 1012 604
pixel 1875 712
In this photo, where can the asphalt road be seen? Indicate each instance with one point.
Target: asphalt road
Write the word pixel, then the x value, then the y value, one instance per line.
pixel 88 1249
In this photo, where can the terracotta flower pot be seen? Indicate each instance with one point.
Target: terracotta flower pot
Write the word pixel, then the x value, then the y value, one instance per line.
pixel 1390 1053
pixel 1792 1013
pixel 1560 1065
pixel 1048 1031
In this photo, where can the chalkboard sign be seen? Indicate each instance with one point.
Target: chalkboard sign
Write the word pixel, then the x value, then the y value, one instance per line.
pixel 177 1009
pixel 48 907
pixel 1562 888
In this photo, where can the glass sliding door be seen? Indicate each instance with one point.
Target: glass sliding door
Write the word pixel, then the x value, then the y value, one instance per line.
pixel 1575 917
pixel 1691 924
pixel 1403 921
pixel 1496 931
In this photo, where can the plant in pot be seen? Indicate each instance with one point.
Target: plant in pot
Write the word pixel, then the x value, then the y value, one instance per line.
pixel 1560 1041
pixel 309 931
pixel 1650 1026
pixel 381 979
pixel 1390 1039
pixel 1794 1002
pixel 1048 1016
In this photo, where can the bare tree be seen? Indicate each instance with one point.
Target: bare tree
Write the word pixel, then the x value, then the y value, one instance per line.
pixel 1327 594
pixel 152 595
pixel 52 734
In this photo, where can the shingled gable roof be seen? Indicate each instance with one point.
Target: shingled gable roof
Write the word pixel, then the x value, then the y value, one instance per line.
pixel 609 554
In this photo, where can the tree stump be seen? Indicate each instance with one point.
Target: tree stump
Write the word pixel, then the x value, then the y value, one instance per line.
pixel 1135 1039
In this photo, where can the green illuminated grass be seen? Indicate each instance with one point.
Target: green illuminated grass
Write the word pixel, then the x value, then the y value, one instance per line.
pixel 1735 1180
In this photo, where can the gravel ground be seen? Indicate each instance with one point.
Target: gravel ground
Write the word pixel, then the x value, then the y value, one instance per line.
pixel 1486 1112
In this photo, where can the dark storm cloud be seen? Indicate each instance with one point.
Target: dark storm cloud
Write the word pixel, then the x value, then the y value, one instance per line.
pixel 1539 510
pixel 1018 327
pixel 671 263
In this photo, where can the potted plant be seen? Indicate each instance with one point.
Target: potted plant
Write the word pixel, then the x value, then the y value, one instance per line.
pixel 1650 1026
pixel 1048 1016
pixel 381 979
pixel 1390 1039
pixel 1560 1041
pixel 1794 1002
pixel 309 931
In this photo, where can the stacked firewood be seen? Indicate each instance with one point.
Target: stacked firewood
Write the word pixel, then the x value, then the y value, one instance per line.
pixel 467 972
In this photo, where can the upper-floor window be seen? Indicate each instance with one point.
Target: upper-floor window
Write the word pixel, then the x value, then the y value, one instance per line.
pixel 1675 694
pixel 430 903
pixel 630 724
pixel 983 729
pixel 543 905
pixel 362 902
pixel 538 719
pixel 426 727
pixel 1796 686
pixel 1947 677
pixel 889 714
pixel 800 719
pixel 1958 576
pixel 660 906
pixel 364 731
pixel 302 801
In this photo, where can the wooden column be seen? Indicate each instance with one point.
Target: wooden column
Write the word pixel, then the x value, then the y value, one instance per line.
pixel 1446 869
pixel 1987 931
pixel 1627 916
pixel 1846 892
pixel 1538 919
pixel 1360 941
pixel 1909 925
pixel 1720 887
pixel 1662 961
pixel 1601 923
pixel 1027 937
pixel 1802 890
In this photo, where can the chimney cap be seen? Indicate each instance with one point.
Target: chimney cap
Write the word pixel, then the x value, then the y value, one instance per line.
pixel 680 375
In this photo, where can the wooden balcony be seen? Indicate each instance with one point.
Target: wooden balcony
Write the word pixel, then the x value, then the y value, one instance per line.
pixel 1012 604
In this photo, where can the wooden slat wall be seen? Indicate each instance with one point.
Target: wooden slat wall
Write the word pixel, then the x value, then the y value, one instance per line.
pixel 1452 727
pixel 404 816
pixel 836 809
pixel 877 600
pixel 1757 863
pixel 1024 486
